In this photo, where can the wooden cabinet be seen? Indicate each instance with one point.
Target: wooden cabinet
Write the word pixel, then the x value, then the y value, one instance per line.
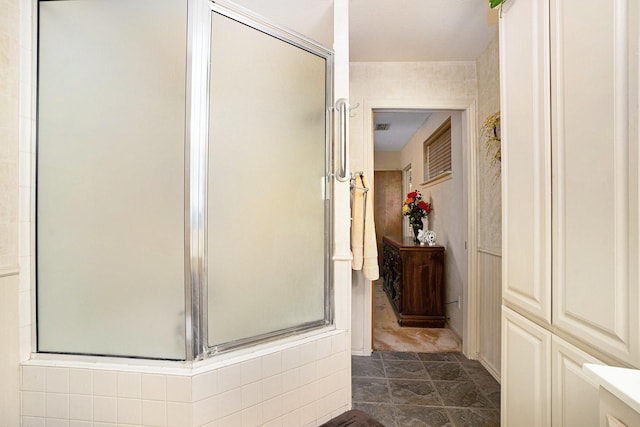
pixel 412 277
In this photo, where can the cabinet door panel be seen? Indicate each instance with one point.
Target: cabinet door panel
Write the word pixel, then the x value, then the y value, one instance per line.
pixel 570 385
pixel 526 169
pixel 595 162
pixel 526 374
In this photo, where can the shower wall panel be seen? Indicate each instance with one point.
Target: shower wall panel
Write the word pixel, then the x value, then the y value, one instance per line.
pixel 110 181
pixel 266 185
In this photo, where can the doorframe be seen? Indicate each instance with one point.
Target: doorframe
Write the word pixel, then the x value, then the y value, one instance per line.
pixel 468 107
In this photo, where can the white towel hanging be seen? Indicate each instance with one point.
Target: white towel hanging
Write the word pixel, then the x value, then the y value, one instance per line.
pixel 370 268
pixel 357 222
pixel 363 233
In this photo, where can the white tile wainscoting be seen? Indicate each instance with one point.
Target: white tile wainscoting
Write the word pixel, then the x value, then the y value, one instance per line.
pixel 301 383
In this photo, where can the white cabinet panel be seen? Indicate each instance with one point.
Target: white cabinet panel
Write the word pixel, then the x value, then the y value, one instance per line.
pixel 570 385
pixel 595 186
pixel 615 413
pixel 526 372
pixel 526 169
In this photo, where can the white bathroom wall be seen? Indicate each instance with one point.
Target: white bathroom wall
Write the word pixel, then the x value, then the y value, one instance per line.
pixel 11 211
pixel 9 113
pixel 9 351
pixel 430 85
pixel 489 217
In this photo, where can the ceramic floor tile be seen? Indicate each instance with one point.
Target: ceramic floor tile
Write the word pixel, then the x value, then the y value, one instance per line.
pixel 438 357
pixel 425 389
pixel 462 358
pixel 412 392
pixel 461 393
pixel 422 416
pixel 370 390
pixel 493 396
pixel 446 371
pixel 485 382
pixel 363 366
pixel 405 369
pixel 471 417
pixel 382 412
pixel 478 373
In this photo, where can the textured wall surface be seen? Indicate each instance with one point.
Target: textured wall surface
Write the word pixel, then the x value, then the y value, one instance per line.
pixel 489 218
pixel 489 198
pixel 9 211
pixel 9 113
pixel 403 83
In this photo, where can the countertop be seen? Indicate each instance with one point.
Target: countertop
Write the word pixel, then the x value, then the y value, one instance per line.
pixel 621 382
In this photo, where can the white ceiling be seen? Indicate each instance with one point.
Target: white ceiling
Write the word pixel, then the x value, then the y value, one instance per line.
pixel 393 31
pixel 419 30
pixel 402 126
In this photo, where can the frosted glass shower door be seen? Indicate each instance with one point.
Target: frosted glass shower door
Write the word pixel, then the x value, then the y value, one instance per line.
pixel 267 206
pixel 110 178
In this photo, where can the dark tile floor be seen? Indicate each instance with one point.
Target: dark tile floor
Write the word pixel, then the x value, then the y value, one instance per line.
pixel 425 389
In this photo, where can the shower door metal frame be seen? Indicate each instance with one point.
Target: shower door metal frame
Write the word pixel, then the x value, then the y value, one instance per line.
pixel 196 168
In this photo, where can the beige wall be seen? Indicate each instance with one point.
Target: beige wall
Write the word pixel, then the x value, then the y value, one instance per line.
pixel 9 110
pixel 448 198
pixel 9 175
pixel 386 161
pixel 489 217
pixel 9 351
pixel 489 193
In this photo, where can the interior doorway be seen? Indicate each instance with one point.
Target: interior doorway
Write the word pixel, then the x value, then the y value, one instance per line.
pixel 398 171
pixel 387 194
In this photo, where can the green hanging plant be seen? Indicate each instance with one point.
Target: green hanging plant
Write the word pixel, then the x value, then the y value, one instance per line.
pixel 495 3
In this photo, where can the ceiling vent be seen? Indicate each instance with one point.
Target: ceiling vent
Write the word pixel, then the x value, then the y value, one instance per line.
pixel 383 126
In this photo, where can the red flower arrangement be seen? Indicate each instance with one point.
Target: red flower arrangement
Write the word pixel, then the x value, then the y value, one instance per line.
pixel 416 209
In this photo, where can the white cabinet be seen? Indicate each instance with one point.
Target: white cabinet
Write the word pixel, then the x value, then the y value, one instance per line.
pixel 526 156
pixel 570 386
pixel 571 233
pixel 526 368
pixel 619 394
pixel 615 413
pixel 594 104
pixel 542 376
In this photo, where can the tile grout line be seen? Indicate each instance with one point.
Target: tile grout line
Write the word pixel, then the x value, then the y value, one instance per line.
pixel 393 405
pixel 486 410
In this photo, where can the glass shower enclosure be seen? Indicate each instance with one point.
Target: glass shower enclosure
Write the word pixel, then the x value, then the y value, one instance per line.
pixel 183 179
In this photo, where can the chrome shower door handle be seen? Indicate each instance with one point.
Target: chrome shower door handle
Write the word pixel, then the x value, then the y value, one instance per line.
pixel 342 174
